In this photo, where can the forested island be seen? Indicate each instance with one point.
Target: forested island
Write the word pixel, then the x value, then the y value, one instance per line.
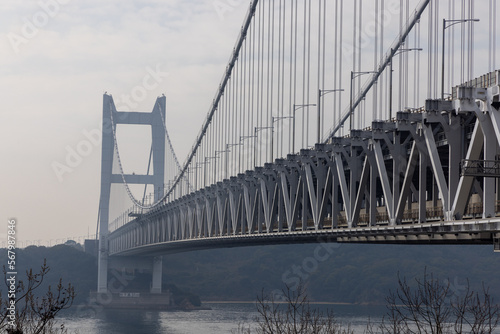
pixel 337 273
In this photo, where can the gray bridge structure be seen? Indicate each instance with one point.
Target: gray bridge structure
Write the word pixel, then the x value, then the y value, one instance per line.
pixel 380 184
pixel 427 175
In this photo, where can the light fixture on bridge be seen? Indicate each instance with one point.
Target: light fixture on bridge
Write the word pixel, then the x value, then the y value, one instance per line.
pixel 257 129
pixel 399 51
pixel 228 146
pixel 276 119
pixel 446 25
pixel 295 108
pixel 242 139
pixel 354 75
pixel 322 92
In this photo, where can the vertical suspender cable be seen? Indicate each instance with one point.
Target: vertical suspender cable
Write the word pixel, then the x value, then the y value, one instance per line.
pixel 291 81
pixel 462 46
pixel 375 53
pixel 272 69
pixel 471 75
pixel 436 47
pixel 268 73
pixel 494 47
pixel 490 34
pixel 308 90
pixel 354 51
pixel 452 48
pixel 251 68
pixel 429 56
pixel 260 83
pixel 220 144
pixel 296 23
pixel 283 71
pixel 250 111
pixel 324 68
pixel 469 40
pixel 335 59
pixel 279 88
pixel 246 105
pixel 361 118
pixel 319 66
pixel 381 43
pixel 227 132
pixel 448 46
pixel 407 56
pixel 339 47
pixel 418 65
pixel 233 121
pixel 283 29
pixel 304 70
pixel 239 111
pixel 243 112
pixel 210 165
pixel 401 60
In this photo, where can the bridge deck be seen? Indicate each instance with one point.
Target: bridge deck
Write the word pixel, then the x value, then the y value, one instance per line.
pixel 457 232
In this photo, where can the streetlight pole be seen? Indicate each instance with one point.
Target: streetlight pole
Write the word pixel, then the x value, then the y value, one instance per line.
pixel 295 108
pixel 257 129
pixel 215 167
pixel 227 156
pixel 243 138
pixel 205 176
pixel 390 76
pixel 275 119
pixel 351 109
pixel 445 26
pixel 195 171
pixel 322 92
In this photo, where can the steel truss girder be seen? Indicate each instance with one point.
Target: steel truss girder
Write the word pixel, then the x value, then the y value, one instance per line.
pixel 351 180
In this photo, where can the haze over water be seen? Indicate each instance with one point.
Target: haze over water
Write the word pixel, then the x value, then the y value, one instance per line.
pixel 222 318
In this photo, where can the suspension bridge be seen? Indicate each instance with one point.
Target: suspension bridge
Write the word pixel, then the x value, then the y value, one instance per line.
pixel 334 121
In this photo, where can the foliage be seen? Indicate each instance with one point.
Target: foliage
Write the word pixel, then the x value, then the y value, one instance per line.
pixel 293 315
pixel 25 312
pixel 64 261
pixel 430 306
pixel 180 296
pixel 353 273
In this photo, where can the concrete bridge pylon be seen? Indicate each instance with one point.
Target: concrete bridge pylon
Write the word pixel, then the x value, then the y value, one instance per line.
pixel 111 118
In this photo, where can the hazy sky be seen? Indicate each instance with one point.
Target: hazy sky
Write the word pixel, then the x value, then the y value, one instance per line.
pixel 57 59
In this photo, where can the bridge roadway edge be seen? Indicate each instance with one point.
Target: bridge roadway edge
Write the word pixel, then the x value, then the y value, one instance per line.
pixel 474 232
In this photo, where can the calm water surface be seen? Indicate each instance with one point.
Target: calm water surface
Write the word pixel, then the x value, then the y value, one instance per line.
pixel 222 318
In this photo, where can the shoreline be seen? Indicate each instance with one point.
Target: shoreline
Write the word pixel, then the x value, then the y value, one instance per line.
pixel 278 302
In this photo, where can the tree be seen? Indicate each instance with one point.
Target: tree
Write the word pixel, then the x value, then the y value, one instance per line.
pixel 432 307
pixel 292 314
pixel 26 312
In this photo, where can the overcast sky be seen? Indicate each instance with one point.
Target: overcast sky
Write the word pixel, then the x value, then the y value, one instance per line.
pixel 56 62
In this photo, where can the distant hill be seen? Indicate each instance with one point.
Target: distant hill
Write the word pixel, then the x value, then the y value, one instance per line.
pixel 66 262
pixel 353 273
pixel 74 266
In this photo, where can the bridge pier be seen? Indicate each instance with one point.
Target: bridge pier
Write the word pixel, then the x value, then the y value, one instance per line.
pixel 157 274
pixel 102 265
pixel 126 264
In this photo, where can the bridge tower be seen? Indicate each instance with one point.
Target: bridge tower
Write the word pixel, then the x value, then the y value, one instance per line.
pixel 111 118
